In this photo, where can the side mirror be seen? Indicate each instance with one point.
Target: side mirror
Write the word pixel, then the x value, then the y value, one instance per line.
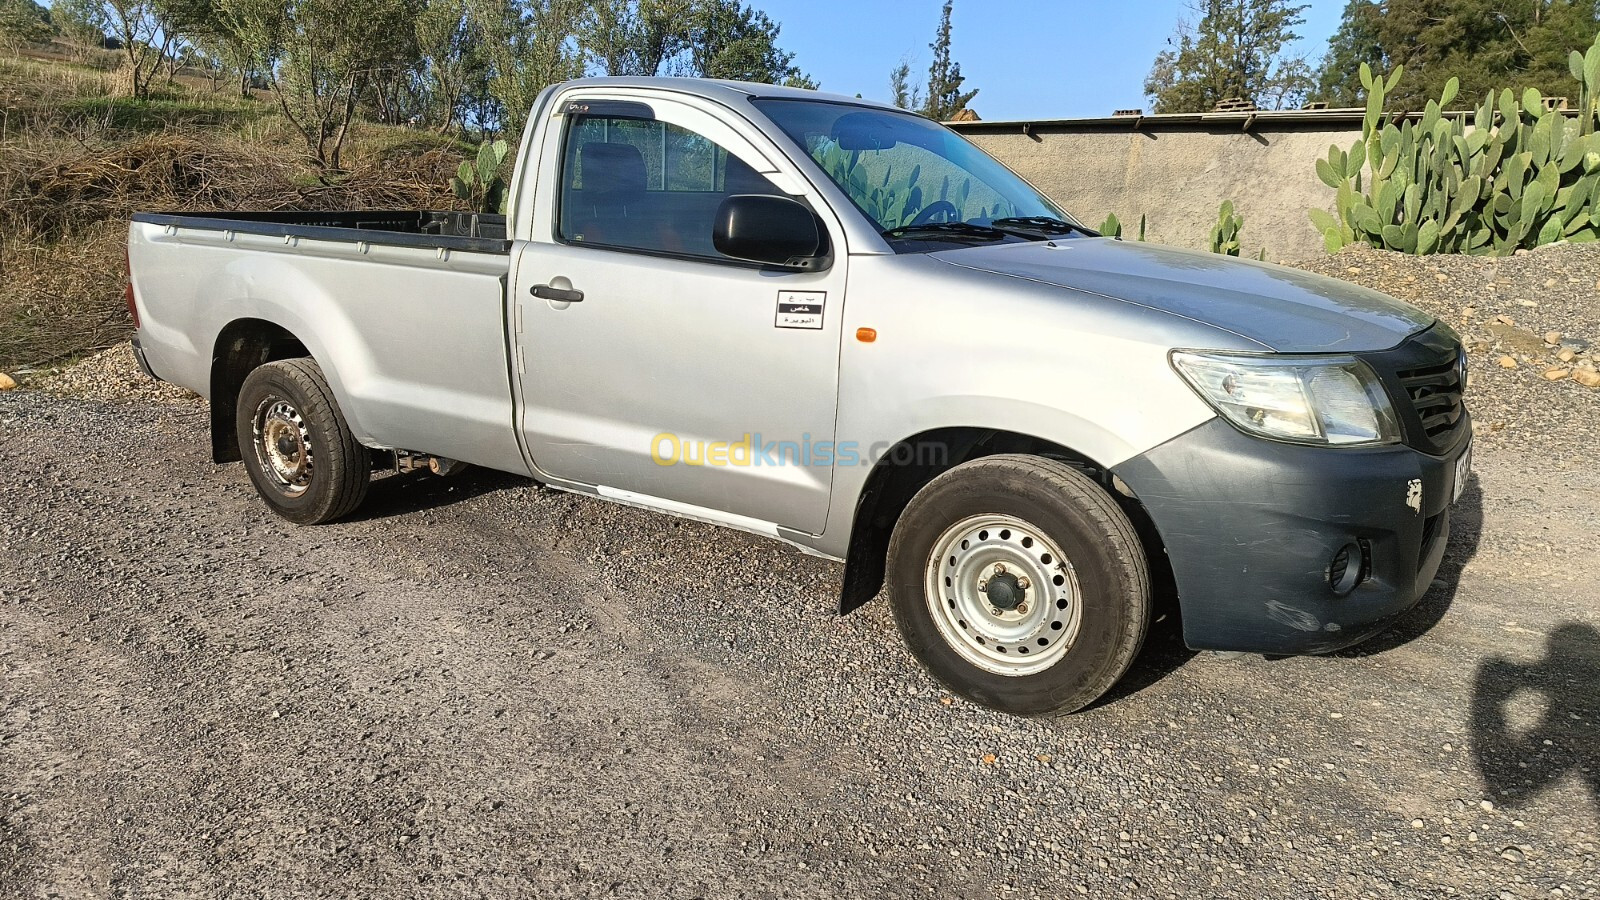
pixel 776 231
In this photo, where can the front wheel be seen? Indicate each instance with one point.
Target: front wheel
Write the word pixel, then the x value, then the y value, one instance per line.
pixel 297 448
pixel 1020 584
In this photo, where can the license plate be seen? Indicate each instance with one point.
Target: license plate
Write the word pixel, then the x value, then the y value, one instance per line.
pixel 1463 472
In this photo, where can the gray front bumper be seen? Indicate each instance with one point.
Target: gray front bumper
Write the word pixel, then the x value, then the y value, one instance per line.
pixel 1252 527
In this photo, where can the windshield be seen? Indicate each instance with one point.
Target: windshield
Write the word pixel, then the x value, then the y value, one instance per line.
pixel 917 181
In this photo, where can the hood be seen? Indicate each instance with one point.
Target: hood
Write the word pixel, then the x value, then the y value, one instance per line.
pixel 1282 309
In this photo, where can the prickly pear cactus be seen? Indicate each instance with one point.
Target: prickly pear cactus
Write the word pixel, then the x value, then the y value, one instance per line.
pixel 1225 234
pixel 1518 175
pixel 478 182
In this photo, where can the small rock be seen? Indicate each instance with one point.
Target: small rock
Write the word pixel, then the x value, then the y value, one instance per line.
pixel 1513 854
pixel 1587 377
pixel 1507 362
pixel 1550 284
pixel 1567 355
pixel 1416 823
pixel 1486 805
pixel 1552 337
pixel 1516 339
pixel 1504 320
pixel 7 383
pixel 1575 344
pixel 1557 374
pixel 1442 277
pixel 1528 303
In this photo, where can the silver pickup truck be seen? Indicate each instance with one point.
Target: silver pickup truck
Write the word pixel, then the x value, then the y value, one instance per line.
pixel 845 327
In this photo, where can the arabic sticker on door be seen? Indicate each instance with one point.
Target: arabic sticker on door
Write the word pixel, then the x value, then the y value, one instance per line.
pixel 801 309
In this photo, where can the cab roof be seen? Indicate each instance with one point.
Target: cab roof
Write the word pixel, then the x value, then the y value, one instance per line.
pixel 722 91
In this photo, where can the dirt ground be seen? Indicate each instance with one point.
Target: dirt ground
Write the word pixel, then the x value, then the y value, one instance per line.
pixel 479 688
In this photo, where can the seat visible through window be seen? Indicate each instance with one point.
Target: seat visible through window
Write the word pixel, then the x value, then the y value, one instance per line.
pixel 648 185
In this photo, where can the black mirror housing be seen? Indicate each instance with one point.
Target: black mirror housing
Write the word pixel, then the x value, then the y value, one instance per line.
pixel 762 228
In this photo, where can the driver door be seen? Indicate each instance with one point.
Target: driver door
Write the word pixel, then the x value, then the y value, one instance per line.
pixel 652 368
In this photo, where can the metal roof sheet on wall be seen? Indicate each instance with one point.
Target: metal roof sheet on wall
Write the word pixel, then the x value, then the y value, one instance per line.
pixel 1228 121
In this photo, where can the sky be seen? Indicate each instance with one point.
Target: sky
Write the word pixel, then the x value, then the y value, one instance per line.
pixel 1030 59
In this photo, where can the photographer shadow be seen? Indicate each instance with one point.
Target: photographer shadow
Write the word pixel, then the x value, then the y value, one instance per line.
pixel 1518 763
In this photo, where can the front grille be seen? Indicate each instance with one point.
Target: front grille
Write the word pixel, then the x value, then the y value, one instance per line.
pixel 1424 379
pixel 1435 393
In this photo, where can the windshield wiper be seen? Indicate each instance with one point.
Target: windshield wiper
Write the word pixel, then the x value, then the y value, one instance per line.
pixel 948 230
pixel 1036 225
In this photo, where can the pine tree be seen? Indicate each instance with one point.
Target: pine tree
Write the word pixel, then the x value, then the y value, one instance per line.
pixel 945 96
pixel 905 94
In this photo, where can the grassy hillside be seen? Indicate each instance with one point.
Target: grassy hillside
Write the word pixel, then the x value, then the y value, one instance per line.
pixel 76 161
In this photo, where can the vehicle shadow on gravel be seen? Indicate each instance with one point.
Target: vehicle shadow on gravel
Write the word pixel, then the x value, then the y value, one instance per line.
pixel 397 495
pixel 1163 653
pixel 1533 725
pixel 1466 531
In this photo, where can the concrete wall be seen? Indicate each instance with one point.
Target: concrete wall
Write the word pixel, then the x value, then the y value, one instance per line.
pixel 1178 170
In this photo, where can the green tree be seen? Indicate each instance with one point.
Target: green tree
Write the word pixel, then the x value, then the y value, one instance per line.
pixel 452 62
pixel 528 45
pixel 1486 44
pixel 1358 40
pixel 141 28
pixel 730 40
pixel 637 37
pixel 24 22
pixel 945 97
pixel 1239 48
pixel 82 22
pixel 208 43
pixel 319 57
pixel 697 38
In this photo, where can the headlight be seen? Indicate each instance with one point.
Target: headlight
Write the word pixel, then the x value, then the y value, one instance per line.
pixel 1325 400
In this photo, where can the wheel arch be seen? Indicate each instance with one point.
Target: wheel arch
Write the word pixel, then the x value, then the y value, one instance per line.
pixel 242 346
pixel 911 463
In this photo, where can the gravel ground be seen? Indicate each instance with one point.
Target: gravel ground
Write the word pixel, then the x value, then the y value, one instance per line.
pixel 482 688
pixel 109 375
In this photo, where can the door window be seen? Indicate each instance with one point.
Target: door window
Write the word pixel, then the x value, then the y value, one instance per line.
pixel 643 184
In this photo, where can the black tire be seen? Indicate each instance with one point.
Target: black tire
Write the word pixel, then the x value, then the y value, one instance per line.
pixel 1107 567
pixel 331 470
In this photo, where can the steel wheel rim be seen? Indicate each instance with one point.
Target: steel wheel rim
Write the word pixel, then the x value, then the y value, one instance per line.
pixel 967 568
pixel 283 446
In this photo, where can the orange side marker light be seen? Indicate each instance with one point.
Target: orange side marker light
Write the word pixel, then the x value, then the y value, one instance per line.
pixel 866 335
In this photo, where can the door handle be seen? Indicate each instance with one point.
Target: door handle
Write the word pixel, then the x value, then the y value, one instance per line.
pixel 546 292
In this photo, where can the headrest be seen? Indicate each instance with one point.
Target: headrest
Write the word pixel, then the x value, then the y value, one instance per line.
pixel 741 179
pixel 612 168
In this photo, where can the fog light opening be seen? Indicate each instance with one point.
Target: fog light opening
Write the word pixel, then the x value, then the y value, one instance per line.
pixel 1347 569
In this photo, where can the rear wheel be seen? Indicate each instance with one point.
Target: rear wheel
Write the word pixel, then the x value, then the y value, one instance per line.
pixel 299 452
pixel 1020 584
